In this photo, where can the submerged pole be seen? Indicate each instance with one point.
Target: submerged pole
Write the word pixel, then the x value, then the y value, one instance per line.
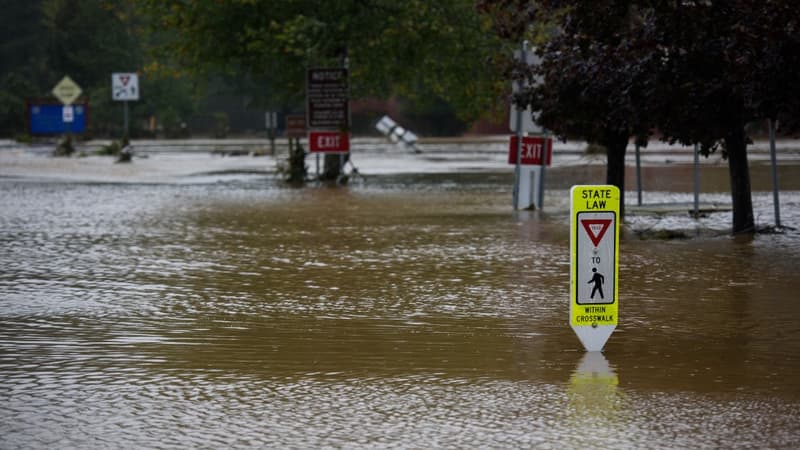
pixel 774 159
pixel 696 180
pixel 540 197
pixel 519 131
pixel 638 176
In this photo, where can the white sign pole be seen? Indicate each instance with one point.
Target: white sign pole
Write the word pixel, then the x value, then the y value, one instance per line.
pixel 519 131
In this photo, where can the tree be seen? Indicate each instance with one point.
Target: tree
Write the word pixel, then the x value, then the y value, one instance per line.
pixel 698 71
pixel 582 89
pixel 20 61
pixel 43 40
pixel 722 65
pixel 413 48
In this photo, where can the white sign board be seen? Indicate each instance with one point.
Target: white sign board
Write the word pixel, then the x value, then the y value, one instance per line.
pixel 67 114
pixel 124 86
pixel 528 125
pixel 271 120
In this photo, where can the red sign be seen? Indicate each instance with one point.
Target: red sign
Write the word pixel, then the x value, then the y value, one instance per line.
pixel 532 151
pixel 595 228
pixel 329 142
pixel 295 126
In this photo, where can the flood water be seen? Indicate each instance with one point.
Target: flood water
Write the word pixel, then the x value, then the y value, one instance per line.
pixel 400 311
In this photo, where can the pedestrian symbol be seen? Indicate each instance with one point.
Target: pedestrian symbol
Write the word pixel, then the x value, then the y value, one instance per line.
pixel 598 280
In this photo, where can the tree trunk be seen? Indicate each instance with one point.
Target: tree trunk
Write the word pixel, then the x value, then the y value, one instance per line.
pixel 736 145
pixel 616 143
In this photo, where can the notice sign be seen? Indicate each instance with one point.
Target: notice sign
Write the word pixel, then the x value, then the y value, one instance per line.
pixel 67 114
pixel 535 151
pixel 327 99
pixel 328 142
pixel 594 245
pixel 51 118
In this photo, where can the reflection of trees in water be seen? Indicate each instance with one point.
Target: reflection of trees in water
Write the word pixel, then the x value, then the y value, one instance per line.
pixel 696 314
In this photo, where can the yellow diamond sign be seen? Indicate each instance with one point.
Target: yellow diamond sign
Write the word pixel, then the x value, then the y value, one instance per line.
pixel 67 90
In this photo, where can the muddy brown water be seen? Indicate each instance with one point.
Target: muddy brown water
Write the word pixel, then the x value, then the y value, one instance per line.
pixel 404 311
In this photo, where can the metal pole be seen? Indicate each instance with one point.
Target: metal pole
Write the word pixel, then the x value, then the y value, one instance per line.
pixel 341 167
pixel 773 157
pixel 696 180
pixel 517 167
pixel 540 196
pixel 125 118
pixel 638 176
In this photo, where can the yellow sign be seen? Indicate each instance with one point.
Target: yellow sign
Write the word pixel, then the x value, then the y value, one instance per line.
pixel 67 91
pixel 594 268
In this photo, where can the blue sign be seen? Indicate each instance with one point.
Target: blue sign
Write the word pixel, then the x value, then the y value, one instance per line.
pixel 56 119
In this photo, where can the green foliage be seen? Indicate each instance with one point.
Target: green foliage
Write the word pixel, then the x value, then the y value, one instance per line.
pixel 23 138
pixel 694 70
pixel 221 125
pixel 698 71
pixel 43 40
pixel 65 147
pixel 392 47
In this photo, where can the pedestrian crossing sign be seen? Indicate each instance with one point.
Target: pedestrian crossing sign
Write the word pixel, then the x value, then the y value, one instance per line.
pixel 594 268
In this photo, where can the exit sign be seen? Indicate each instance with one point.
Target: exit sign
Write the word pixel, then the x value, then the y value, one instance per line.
pixel 329 142
pixel 534 151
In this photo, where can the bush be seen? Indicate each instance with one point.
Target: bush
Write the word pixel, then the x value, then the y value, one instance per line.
pixel 593 148
pixel 64 147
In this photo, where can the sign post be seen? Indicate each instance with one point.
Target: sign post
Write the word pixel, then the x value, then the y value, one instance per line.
pixel 773 159
pixel 67 91
pixel 271 124
pixel 521 122
pixel 328 112
pixel 124 88
pixel 594 263
pixel 528 154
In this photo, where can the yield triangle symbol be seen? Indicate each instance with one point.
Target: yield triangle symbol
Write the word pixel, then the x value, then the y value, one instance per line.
pixel 596 228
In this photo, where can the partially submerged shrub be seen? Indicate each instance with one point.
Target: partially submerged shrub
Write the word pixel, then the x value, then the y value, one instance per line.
pixel 65 147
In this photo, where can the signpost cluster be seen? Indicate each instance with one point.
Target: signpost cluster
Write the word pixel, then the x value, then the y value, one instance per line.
pixel 67 91
pixel 328 112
